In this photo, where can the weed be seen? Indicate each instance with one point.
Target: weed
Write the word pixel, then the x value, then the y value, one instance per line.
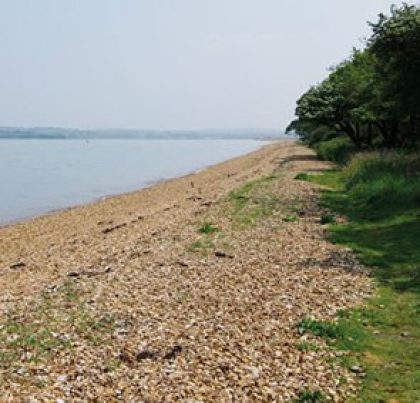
pixel 328 219
pixel 306 346
pixel 26 338
pixel 310 396
pixel 202 246
pixel 252 201
pixel 290 218
pixel 324 329
pixel 112 365
pixel 208 228
pixel 302 176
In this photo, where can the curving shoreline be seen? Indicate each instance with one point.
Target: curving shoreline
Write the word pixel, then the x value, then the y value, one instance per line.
pixel 183 314
pixel 151 183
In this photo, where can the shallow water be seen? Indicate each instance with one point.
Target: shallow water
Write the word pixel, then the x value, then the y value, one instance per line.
pixel 37 176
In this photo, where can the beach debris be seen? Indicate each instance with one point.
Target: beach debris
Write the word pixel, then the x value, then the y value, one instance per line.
pixel 105 222
pixel 145 355
pixel 220 253
pixel 139 218
pixel 115 227
pixel 173 353
pixel 89 273
pixel 51 288
pixel 93 273
pixel 194 198
pixel 255 372
pixel 356 369
pixel 182 263
pixel 17 265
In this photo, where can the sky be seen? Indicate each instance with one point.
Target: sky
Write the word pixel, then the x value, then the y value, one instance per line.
pixel 170 64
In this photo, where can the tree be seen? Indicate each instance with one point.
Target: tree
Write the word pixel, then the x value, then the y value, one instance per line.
pixel 374 96
pixel 396 44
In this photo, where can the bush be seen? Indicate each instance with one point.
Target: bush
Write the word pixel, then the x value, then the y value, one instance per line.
pixel 369 167
pixel 338 150
pixel 379 183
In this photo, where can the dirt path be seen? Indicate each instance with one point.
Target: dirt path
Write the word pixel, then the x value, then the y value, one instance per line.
pixel 191 289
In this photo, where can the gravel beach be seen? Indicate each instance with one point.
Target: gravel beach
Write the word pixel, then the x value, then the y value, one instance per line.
pixel 189 290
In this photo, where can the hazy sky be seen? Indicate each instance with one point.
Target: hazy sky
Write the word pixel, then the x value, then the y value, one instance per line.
pixel 169 64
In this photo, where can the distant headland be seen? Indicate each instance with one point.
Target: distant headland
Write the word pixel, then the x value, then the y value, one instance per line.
pixel 53 133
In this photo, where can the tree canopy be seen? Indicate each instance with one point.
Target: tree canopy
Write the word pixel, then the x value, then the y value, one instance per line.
pixel 373 97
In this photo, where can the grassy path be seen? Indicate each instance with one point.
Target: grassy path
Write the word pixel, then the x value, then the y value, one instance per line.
pixel 386 333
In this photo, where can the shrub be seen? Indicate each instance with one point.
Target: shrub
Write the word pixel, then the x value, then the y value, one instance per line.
pixel 324 329
pixel 368 167
pixel 338 150
pixel 379 183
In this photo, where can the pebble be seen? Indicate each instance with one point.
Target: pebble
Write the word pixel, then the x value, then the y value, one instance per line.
pixel 172 324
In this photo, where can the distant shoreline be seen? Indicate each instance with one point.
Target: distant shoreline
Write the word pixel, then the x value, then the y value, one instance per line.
pixel 46 133
pixel 46 138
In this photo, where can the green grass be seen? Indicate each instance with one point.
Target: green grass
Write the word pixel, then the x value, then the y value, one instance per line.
pixel 306 346
pixel 201 246
pixel 46 329
pixel 324 329
pixel 302 176
pixel 290 218
pixel 328 219
pixel 310 396
pixel 26 338
pixel 252 201
pixel 207 228
pixel 380 196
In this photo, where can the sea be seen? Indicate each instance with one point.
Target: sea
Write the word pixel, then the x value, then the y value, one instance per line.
pixel 39 176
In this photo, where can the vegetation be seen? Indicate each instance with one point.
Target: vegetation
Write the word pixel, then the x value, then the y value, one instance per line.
pixel 290 218
pixel 203 246
pixel 306 346
pixel 208 228
pixel 327 219
pixel 318 328
pixel 372 99
pixel 250 202
pixel 380 194
pixel 302 176
pixel 365 116
pixel 310 396
pixel 338 150
pixel 43 332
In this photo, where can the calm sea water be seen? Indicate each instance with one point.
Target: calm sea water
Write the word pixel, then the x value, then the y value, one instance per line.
pixel 37 176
